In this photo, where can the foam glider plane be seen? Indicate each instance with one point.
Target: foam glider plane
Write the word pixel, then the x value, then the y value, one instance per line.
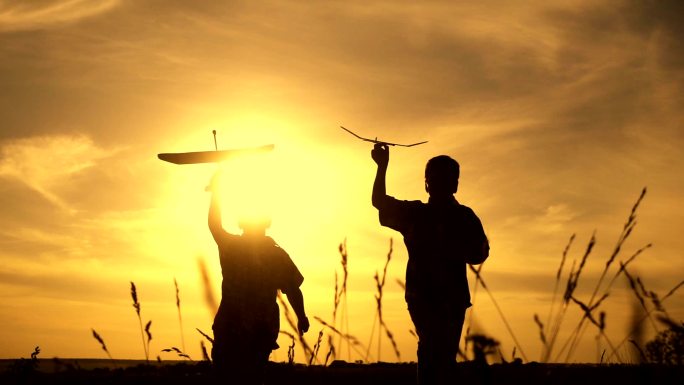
pixel 376 141
pixel 210 156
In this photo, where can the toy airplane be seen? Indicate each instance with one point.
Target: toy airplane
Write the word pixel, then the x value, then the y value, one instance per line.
pixel 210 156
pixel 376 141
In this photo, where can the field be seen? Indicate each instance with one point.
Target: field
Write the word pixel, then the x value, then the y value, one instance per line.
pixel 660 361
pixel 88 371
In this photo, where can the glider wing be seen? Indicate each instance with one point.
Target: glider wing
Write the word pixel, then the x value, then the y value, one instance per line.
pixel 209 156
pixel 376 141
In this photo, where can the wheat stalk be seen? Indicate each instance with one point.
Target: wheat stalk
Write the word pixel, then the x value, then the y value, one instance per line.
pixel 180 319
pixel 209 296
pixel 293 324
pixel 291 348
pixel 471 311
pixel 627 229
pixel 344 321
pixel 148 333
pixel 380 284
pixel 102 343
pixel 178 351
pixel 571 285
pixel 350 339
pixel 316 348
pixel 205 354
pixel 478 276
pixel 555 289
pixel 541 329
pixel 136 306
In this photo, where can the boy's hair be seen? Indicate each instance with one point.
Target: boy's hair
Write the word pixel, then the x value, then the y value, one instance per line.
pixel 442 172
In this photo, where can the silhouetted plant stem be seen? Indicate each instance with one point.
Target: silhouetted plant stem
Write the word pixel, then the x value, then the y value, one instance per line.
pixel 178 351
pixel 316 348
pixel 291 348
pixel 180 319
pixel 136 305
pixel 148 332
pixel 573 279
pixel 342 298
pixel 498 309
pixel 102 343
pixel 293 324
pixel 351 340
pixel 380 284
pixel 621 270
pixel 209 296
pixel 555 293
pixel 370 338
pixel 471 310
pixel 205 335
pixel 629 225
pixel 643 318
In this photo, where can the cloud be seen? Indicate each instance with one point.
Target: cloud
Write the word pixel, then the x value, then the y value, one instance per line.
pixel 33 15
pixel 46 163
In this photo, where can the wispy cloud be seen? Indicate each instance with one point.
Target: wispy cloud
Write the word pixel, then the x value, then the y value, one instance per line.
pixel 32 15
pixel 46 163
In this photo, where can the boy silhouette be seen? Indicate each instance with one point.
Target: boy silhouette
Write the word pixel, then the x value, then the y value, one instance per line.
pixel 247 323
pixel 441 236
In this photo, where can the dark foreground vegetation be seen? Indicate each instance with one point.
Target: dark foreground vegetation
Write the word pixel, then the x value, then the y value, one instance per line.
pixel 134 372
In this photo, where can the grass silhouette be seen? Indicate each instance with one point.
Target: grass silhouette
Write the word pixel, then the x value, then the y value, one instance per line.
pixel 569 276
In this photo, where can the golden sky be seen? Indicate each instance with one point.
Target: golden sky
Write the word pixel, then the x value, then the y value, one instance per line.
pixel 559 115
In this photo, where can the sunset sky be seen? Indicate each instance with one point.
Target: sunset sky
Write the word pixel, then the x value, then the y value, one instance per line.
pixel 559 115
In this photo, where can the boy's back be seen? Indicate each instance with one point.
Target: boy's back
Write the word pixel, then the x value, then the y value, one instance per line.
pixel 441 237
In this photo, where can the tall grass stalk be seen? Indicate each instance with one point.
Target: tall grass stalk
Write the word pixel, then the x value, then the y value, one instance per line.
pixel 471 311
pixel 205 354
pixel 102 343
pixel 209 296
pixel 342 299
pixel 205 335
pixel 600 323
pixel 478 276
pixel 354 342
pixel 136 306
pixel 178 351
pixel 627 229
pixel 542 336
pixel 293 325
pixel 339 298
pixel 635 285
pixel 559 274
pixel 316 348
pixel 331 350
pixel 571 285
pixel 180 319
pixel 382 325
pixel 148 333
pixel 638 322
pixel 291 348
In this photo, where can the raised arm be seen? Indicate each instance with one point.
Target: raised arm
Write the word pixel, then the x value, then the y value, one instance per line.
pixel 380 155
pixel 215 222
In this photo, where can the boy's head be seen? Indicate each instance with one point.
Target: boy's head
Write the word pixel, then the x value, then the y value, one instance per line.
pixel 254 226
pixel 441 176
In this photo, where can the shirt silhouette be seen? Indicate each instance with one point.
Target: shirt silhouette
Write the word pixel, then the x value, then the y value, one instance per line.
pixel 247 323
pixel 441 237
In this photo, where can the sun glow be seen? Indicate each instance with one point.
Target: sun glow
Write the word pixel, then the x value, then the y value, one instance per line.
pixel 309 192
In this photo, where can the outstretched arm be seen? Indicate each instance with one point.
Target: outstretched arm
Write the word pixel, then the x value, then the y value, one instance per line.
pixel 380 155
pixel 296 299
pixel 215 223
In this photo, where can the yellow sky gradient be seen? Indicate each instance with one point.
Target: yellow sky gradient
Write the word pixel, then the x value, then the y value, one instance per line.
pixel 559 115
